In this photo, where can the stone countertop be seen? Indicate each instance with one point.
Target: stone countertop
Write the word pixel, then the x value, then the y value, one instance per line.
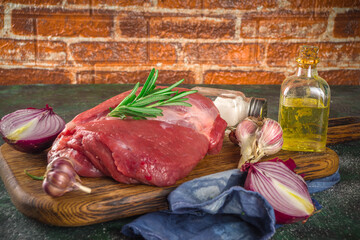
pixel 338 219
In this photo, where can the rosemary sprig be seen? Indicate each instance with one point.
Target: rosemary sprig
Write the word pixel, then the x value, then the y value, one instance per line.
pixel 144 105
pixel 33 176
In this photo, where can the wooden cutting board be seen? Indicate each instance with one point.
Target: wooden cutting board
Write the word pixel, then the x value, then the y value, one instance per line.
pixel 111 200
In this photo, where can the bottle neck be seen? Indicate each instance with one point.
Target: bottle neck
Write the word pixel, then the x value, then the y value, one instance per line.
pixel 306 70
pixel 257 107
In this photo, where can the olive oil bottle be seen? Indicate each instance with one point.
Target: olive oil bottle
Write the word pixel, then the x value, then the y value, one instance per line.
pixel 304 105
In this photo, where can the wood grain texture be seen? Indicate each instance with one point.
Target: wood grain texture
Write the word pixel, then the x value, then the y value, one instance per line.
pixel 111 200
pixel 343 129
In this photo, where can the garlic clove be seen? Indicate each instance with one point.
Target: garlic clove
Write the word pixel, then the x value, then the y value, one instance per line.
pixel 269 138
pixel 272 149
pixel 245 134
pixel 245 130
pixel 271 132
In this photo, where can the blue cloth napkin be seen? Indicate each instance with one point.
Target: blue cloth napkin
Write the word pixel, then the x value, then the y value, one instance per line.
pixel 215 207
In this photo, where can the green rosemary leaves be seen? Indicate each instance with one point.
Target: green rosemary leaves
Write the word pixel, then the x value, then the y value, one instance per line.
pixel 145 104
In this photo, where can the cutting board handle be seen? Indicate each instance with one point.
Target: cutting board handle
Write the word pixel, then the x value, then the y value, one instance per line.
pixel 343 129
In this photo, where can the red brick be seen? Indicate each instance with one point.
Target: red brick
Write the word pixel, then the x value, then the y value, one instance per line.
pixel 123 53
pixel 283 24
pixel 163 52
pixel 1 17
pixel 75 26
pixel 339 54
pixel 241 5
pixel 213 4
pixel 243 54
pixel 322 4
pixel 61 23
pixel 97 77
pixel 133 25
pixel 51 52
pixel 180 3
pixel 22 24
pixel 165 77
pixel 170 77
pixel 347 24
pixel 33 76
pixel 183 27
pixel 283 54
pixel 331 54
pixel 17 51
pixel 341 77
pixel 243 77
pixel 79 2
pixel 121 3
pixel 34 2
pixel 28 51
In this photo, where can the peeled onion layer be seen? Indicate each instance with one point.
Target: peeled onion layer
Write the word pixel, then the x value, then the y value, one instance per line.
pixel 285 190
pixel 31 130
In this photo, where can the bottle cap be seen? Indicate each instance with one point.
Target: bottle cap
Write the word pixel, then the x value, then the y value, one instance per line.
pixel 258 107
pixel 308 55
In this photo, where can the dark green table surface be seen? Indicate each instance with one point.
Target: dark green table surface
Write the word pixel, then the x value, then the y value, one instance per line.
pixel 339 218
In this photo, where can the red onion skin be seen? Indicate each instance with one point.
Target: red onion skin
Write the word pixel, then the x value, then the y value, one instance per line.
pixel 33 146
pixel 281 218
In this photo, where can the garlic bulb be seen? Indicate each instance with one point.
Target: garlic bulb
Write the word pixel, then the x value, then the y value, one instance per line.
pixel 61 177
pixel 258 137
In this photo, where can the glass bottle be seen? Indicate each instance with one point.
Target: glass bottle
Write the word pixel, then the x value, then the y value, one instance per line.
pixel 234 106
pixel 304 105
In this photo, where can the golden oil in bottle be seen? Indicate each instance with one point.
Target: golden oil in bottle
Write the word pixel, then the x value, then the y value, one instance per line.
pixel 304 123
pixel 304 106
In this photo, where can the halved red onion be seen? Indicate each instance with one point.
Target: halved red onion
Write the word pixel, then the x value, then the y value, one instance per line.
pixel 285 190
pixel 31 130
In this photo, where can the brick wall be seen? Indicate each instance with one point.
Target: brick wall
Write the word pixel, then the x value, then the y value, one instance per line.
pixel 203 41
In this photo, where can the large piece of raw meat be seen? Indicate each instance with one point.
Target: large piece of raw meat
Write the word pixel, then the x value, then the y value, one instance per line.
pixel 158 151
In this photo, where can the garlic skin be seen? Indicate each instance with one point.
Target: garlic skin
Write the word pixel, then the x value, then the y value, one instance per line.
pixel 245 130
pixel 245 134
pixel 269 138
pixel 60 178
pixel 257 138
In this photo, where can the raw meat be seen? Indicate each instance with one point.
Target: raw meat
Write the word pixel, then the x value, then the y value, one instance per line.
pixel 158 151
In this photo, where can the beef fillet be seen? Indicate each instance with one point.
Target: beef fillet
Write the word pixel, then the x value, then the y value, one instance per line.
pixel 158 151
